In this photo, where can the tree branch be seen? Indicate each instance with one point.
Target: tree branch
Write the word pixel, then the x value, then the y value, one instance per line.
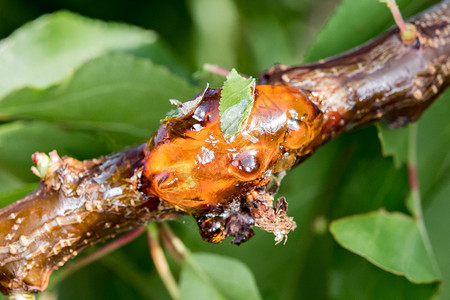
pixel 227 185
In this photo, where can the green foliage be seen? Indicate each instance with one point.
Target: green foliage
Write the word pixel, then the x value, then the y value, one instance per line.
pixel 87 88
pixel 209 276
pixel 51 47
pixel 391 241
pixel 235 102
pixel 394 143
pixel 353 277
pixel 84 100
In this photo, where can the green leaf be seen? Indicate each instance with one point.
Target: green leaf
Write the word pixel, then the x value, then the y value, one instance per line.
pixel 353 277
pixel 235 102
pixel 115 93
pixel 391 241
pixel 209 276
pixel 48 49
pixel 438 223
pixel 394 142
pixel 433 144
pixel 434 177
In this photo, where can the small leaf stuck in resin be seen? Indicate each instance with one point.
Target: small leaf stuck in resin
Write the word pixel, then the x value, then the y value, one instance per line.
pixel 235 102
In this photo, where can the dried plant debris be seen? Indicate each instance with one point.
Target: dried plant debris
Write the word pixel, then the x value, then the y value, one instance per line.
pixel 184 108
pixel 271 219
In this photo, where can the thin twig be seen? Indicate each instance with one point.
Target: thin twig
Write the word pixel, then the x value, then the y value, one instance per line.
pixel 160 262
pixel 392 5
pixel 408 32
pixel 168 243
pixel 177 244
pixel 216 70
pixel 188 259
pixel 127 238
pixel 183 251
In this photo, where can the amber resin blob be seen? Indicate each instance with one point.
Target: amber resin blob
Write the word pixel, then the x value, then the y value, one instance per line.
pixel 192 166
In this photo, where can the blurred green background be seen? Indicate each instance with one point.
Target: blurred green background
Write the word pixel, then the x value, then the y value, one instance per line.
pixel 220 32
pixel 347 176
